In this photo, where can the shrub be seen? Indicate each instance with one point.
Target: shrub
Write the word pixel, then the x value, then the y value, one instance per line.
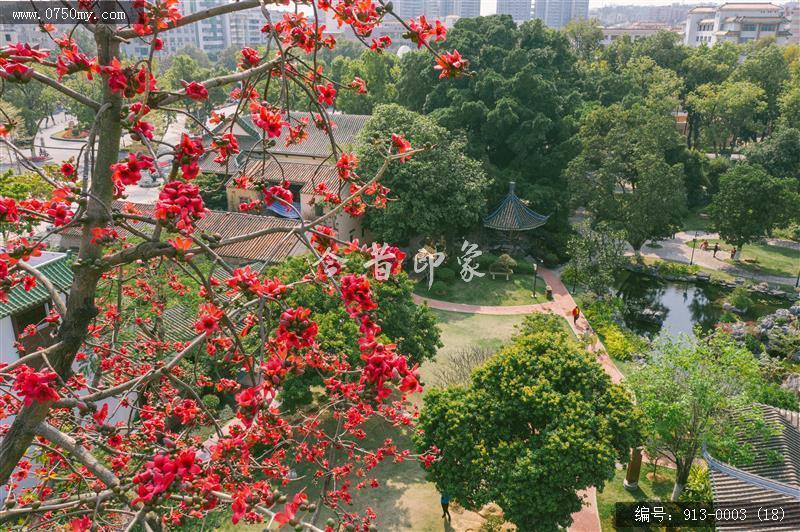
pixel 621 344
pixel 676 269
pixel 772 394
pixel 445 275
pixel 551 260
pixel 494 523
pixel 524 267
pixel 783 344
pixel 438 289
pixel 504 263
pixel 698 486
pixel 211 402
pixel 740 298
pixel 539 322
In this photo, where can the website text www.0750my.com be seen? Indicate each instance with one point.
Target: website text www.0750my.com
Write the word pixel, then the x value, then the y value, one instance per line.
pixel 57 12
pixel 66 15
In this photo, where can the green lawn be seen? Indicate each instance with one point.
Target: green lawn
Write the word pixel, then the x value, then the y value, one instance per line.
pixel 696 221
pixel 518 290
pixel 762 258
pixel 615 492
pixel 463 330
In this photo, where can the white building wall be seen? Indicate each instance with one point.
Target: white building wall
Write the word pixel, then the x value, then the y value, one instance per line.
pixel 8 353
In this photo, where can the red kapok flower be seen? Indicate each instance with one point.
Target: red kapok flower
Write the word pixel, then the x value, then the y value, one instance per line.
pixel 451 64
pixel 35 385
pixel 326 94
pixel 195 91
pixel 267 119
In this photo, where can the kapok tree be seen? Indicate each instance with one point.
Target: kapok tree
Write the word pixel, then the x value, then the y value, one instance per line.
pixel 62 459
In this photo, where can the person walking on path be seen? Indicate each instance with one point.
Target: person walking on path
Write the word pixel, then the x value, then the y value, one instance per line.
pixel 576 313
pixel 733 253
pixel 716 248
pixel 446 506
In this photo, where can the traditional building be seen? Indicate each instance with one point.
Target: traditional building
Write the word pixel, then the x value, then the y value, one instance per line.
pixel 772 480
pixel 304 165
pixel 304 178
pixel 29 308
pixel 270 246
pixel 513 215
pixel 736 23
pixel 636 31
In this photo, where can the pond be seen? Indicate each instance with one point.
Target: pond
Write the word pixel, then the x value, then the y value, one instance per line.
pixel 682 306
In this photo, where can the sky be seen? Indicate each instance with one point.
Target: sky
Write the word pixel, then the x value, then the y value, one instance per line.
pixel 488 6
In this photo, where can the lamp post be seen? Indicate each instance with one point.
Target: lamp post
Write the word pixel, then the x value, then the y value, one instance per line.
pixel 797 282
pixel 694 245
pixel 535 277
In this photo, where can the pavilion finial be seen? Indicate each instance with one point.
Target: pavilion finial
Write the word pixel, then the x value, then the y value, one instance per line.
pixel 511 186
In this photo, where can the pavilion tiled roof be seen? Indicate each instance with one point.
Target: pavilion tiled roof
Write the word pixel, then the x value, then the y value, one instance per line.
pixel 318 144
pixel 513 215
pixel 271 247
pixel 305 174
pixel 771 480
pixel 57 270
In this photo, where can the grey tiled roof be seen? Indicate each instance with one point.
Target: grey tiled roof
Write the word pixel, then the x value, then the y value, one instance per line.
pixel 266 248
pixel 755 485
pixel 304 174
pixel 318 144
pixel 513 215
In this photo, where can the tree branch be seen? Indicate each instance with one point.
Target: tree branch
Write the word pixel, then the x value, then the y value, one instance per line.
pixel 128 33
pixel 66 442
pixel 85 100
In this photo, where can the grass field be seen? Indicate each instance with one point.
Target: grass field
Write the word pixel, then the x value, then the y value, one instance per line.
pixel 518 290
pixel 648 490
pixel 762 258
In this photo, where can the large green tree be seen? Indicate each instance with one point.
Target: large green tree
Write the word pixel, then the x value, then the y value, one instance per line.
pixel 35 103
pixel 766 67
pixel 779 153
pixel 516 112
pixel 596 255
pixel 729 113
pixel 585 36
pixel 696 392
pixel 629 173
pixel 440 192
pixel 704 65
pixel 539 421
pixel 751 203
pixel 377 70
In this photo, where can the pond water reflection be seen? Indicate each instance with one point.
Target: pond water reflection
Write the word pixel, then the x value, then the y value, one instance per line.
pixel 682 306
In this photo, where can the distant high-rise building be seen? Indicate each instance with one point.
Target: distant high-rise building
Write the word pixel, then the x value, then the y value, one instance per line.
pixel 520 10
pixel 466 8
pixel 558 13
pixel 406 9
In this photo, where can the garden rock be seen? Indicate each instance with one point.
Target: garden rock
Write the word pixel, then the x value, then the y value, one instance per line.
pixel 792 383
pixel 490 510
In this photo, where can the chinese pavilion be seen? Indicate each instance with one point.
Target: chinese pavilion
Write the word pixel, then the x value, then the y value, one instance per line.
pixel 513 215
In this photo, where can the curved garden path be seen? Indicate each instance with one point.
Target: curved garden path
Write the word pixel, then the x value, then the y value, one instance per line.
pixel 588 518
pixel 676 249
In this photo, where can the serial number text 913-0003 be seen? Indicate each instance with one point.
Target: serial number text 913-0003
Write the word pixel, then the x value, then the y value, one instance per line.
pixel 657 514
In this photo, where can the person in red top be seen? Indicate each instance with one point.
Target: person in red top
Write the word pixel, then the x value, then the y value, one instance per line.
pixel 576 312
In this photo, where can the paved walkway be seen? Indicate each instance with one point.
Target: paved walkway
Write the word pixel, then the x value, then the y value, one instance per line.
pixel 676 249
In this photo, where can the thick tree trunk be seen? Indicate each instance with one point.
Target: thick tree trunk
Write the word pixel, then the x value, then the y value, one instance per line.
pixel 681 476
pixel 80 304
